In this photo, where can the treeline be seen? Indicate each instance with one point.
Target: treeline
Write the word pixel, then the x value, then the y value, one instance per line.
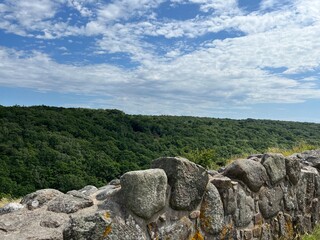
pixel 50 147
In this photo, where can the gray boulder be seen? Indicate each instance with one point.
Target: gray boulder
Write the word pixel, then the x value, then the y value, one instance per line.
pixel 275 165
pixel 106 192
pixel 89 227
pixel 144 192
pixel 252 173
pixel 245 210
pixel 211 213
pixel 293 169
pixel 313 161
pixel 188 181
pixel 228 193
pixel 270 201
pixel 36 224
pixel 290 198
pixel 69 204
pixel 308 187
pixel 88 190
pixel 180 229
pixel 39 198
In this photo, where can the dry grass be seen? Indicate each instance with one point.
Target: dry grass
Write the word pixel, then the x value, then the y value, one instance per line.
pixel 298 148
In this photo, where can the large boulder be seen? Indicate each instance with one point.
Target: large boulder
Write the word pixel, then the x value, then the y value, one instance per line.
pixel 270 201
pixel 245 209
pixel 293 169
pixel 308 187
pixel 40 198
pixel 275 165
pixel 69 203
pixel 144 192
pixel 211 213
pixel 252 173
pixel 32 224
pixel 188 181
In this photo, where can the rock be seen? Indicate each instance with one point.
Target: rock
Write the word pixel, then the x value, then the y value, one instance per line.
pixel 144 192
pixel 107 192
pixel 252 173
pixel 88 190
pixel 315 214
pixel 10 207
pixel 245 210
pixel 286 230
pixel 50 223
pixel 266 232
pixel 221 182
pixel 89 227
pixel 124 230
pixel 275 165
pixel 313 161
pixel 39 198
pixel 69 204
pixel 228 193
pixel 290 198
pixel 211 213
pixel 115 182
pixel 307 187
pixel 77 194
pixel 181 229
pixel 255 156
pixel 270 201
pixel 188 181
pixel 194 214
pixel 212 172
pixel 293 169
pixel 26 224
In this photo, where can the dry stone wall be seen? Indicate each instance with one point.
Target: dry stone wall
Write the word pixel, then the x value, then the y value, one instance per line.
pixel 264 197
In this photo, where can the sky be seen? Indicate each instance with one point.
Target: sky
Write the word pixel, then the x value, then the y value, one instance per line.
pixel 211 58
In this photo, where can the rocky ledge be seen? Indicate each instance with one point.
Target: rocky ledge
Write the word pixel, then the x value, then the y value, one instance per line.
pixel 262 197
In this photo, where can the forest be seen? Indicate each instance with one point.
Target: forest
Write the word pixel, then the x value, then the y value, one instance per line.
pixel 68 148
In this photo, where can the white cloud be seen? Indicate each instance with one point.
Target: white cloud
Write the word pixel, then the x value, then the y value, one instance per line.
pixel 234 72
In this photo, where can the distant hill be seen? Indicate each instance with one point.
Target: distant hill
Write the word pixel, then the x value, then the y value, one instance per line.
pixel 50 147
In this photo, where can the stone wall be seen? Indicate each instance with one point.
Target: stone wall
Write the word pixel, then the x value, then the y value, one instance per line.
pixel 262 197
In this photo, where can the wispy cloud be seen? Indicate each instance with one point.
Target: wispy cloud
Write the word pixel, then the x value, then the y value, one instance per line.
pixel 184 68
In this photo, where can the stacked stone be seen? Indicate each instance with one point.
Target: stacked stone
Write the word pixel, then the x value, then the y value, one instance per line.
pixel 263 197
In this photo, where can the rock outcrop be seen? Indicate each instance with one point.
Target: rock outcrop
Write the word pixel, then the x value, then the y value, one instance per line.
pixel 266 196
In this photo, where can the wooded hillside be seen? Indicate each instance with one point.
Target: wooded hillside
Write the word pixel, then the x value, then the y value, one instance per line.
pixel 50 147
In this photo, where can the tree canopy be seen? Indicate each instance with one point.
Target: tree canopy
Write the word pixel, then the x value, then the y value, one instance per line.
pixel 52 147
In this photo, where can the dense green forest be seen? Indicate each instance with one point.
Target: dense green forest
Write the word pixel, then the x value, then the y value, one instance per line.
pixel 50 147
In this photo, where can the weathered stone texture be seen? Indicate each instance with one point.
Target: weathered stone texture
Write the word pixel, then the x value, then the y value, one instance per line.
pixel 293 169
pixel 188 181
pixel 144 192
pixel 211 215
pixel 252 173
pixel 245 210
pixel 270 201
pixel 275 165
pixel 265 197
pixel 69 204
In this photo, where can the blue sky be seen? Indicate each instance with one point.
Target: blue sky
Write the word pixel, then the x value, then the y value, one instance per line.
pixel 213 58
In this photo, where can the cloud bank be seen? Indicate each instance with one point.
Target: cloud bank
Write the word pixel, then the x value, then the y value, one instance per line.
pixel 224 57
